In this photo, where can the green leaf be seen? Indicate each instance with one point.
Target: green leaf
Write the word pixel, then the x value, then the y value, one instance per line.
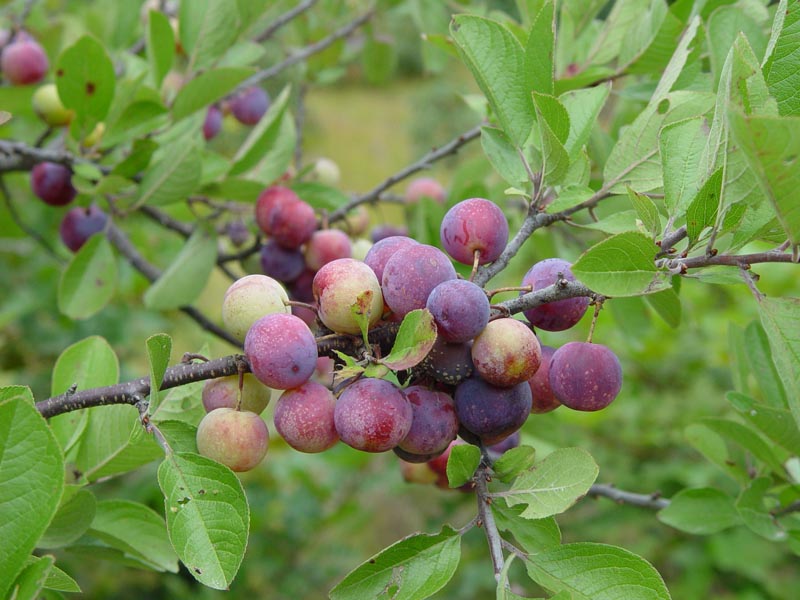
pixel 755 515
pixel 57 580
pixel 702 212
pixel 207 29
pixel 762 365
pixel 554 484
pixel 622 265
pixel 33 578
pixel 724 25
pixel 667 305
pixel 775 423
pixel 700 511
pixel 160 45
pixel 554 129
pixel 207 516
pixel 320 196
pixel 772 148
pixel 503 156
pixel 782 69
pixel 745 437
pixel 136 530
pixel 647 212
pixel 540 48
pixel 618 222
pixel 182 403
pixel 174 175
pixel 181 436
pixel 570 195
pixel 89 281
pixel 412 569
pixel 361 310
pixel 682 144
pixel 461 464
pixel 414 340
pixel 533 535
pixel 677 62
pixel 781 320
pixel 583 107
pixel 159 348
pixel 233 188
pixel 137 160
pixel 31 480
pixel 86 80
pixel 513 462
pixel 711 445
pixel 207 88
pixel 497 61
pixel 73 518
pixel 181 283
pixel 263 136
pixel 379 59
pixel 591 571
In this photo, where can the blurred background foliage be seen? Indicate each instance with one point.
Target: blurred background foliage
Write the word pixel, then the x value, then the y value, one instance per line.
pixel 314 517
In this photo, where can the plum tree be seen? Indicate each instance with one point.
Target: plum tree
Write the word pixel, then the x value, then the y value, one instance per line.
pixel 559 315
pixel 237 439
pixel 24 61
pixel 372 415
pixel 506 353
pixel 249 105
pixel 410 275
pixel 585 376
pixel 492 413
pixel 341 285
pixel 460 309
pixel 474 225
pixel 224 392
pixel 53 183
pixel 304 417
pixel 281 350
pixel 79 224
pixel 434 423
pixel 250 298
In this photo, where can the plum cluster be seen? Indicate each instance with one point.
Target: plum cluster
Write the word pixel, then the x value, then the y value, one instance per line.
pixel 485 374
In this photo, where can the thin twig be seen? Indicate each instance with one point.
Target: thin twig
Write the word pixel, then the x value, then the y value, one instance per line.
pixel 486 517
pixel 603 490
pixel 283 19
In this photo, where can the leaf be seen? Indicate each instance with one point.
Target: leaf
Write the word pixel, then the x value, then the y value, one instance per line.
pixel 181 283
pixel 554 129
pixel 781 320
pixel 533 535
pixel 667 305
pixel 724 25
pixel 207 516
pixel 775 423
pixel 136 530
pixel 513 462
pixel 570 196
pixel 772 148
pixel 762 365
pixel 233 188
pixel 618 222
pixel 33 578
pixel 591 571
pixel 414 340
pixel 554 484
pixel 159 348
pixel 782 69
pixel 262 137
pixel 677 62
pixel 138 158
pixel 86 80
pixel 497 62
pixel 412 569
pixel 681 145
pixel 702 212
pixel 361 310
pixel 57 579
pixel 745 437
pixel 379 59
pixel 207 29
pixel 160 45
pixel 755 515
pixel 173 176
pixel 181 436
pixel 622 265
pixel 89 281
pixel 71 521
pixel 207 88
pixel 503 156
pixel 583 107
pixel 700 511
pixel 318 195
pixel 711 445
pixel 462 463
pixel 540 48
pixel 646 211
pixel 31 480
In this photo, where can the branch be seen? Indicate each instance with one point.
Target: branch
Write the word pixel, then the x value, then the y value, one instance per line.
pixel 486 517
pixel 729 260
pixel 17 156
pixel 603 490
pixel 283 19
pixel 304 53
pixel 561 290
pixel 374 194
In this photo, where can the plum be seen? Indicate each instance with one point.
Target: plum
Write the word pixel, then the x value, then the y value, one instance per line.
pixel 281 263
pixel 24 61
pixel 248 106
pixel 372 415
pixel 448 363
pixel 212 123
pixel 426 187
pixel 506 353
pixel 474 225
pixel 460 309
pixel 282 351
pixel 271 200
pixel 223 392
pixel 382 251
pixel 79 224
pixel 53 183
pixel 250 298
pixel 327 245
pixel 559 315
pixel 237 439
pixel 47 104
pixel 341 284
pixel 585 376
pixel 410 275
pixel 543 398
pixel 492 413
pixel 434 424
pixel 304 417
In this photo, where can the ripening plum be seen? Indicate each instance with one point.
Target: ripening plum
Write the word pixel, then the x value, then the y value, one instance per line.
pixel 434 424
pixel 460 309
pixel 585 376
pixel 212 123
pixel 360 248
pixel 292 224
pixel 24 61
pixel 506 353
pixel 426 187
pixel 327 245
pixel 381 232
pixel 372 415
pixel 53 183
pixel 272 200
pixel 559 315
pixel 492 413
pixel 304 417
pixel 326 172
pixel 249 105
pixel 79 224
pixel 383 250
pixel 341 284
pixel 302 287
pixel 237 439
pixel 237 232
pixel 47 104
pixel 448 363
pixel 282 351
pixel 543 398
pixel 281 263
pixel 356 222
pixel 223 392
pixel 410 276
pixel 250 298
pixel 474 225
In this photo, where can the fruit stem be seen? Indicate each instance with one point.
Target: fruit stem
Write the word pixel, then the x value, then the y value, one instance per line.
pixel 513 288
pixel 598 306
pixel 301 304
pixel 475 261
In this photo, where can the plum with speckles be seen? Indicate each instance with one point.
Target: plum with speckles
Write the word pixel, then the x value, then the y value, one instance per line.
pixel 237 439
pixel 223 392
pixel 434 424
pixel 282 351
pixel 250 298
pixel 585 376
pixel 544 400
pixel 460 309
pixel 341 284
pixel 559 315
pixel 272 200
pixel 410 276
pixel 492 413
pixel 474 225
pixel 281 263
pixel 372 415
pixel 292 224
pixel 448 363
pixel 382 251
pixel 506 353
pixel 327 245
pixel 304 417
